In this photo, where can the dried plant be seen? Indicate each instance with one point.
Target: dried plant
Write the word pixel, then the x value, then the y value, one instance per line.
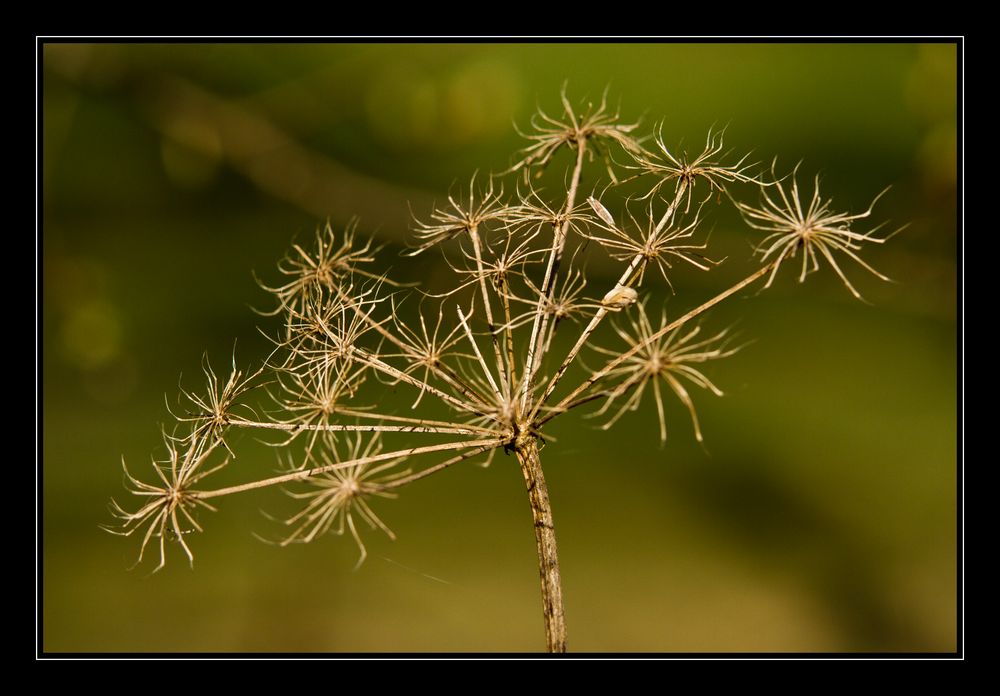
pixel 484 347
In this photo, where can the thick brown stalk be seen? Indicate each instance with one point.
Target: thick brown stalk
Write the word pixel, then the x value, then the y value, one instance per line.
pixel 545 539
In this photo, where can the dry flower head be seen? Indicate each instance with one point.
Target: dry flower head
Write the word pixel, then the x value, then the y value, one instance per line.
pixel 486 348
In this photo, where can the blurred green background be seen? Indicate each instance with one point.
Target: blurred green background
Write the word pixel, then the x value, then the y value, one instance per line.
pixel 820 515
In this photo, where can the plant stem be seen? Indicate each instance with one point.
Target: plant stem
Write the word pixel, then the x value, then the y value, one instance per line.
pixel 508 334
pixel 358 428
pixel 396 483
pixel 315 471
pixel 548 284
pixel 624 281
pixel 475 348
pixel 545 538
pixel 673 206
pixel 477 246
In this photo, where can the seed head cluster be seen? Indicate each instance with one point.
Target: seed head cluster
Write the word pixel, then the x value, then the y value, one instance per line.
pixel 520 336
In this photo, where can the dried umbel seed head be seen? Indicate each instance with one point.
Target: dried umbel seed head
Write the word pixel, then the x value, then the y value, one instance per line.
pixel 668 357
pixel 482 355
pixel 461 216
pixel 335 497
pixel 813 229
pixel 334 257
pixel 593 123
pixel 665 168
pixel 171 506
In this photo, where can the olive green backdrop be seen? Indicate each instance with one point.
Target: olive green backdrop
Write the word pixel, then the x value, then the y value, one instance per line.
pixel 819 516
